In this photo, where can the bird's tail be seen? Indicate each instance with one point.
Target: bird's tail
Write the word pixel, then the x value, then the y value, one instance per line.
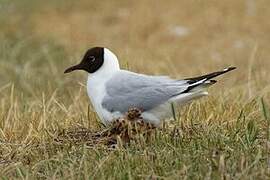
pixel 202 82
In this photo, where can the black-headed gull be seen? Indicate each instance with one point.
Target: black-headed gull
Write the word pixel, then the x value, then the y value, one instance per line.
pixel 113 91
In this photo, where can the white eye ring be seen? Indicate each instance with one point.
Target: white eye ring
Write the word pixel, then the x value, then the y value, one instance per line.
pixel 92 58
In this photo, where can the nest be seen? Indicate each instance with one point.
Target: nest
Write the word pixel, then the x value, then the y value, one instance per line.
pixel 124 130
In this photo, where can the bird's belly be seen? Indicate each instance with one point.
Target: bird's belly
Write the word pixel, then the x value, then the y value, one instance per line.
pixel 96 95
pixel 158 114
pixel 105 116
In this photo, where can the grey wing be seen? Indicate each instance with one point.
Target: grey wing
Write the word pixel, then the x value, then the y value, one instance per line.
pixel 126 90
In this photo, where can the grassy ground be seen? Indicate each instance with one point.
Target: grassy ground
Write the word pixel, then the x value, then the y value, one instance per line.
pixel 223 136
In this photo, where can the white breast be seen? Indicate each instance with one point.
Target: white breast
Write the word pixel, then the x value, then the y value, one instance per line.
pixel 96 92
pixel 96 84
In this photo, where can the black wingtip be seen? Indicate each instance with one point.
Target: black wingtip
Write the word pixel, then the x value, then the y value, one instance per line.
pixel 209 76
pixel 229 69
pixel 207 79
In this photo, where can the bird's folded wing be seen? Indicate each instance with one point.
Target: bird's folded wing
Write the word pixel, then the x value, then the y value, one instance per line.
pixel 126 90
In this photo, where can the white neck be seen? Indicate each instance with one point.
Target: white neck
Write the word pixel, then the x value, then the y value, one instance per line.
pixel 96 81
pixel 110 66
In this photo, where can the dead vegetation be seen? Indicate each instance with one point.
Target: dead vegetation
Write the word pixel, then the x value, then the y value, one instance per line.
pixel 48 130
pixel 122 130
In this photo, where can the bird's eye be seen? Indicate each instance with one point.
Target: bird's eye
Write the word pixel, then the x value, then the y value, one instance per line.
pixel 92 58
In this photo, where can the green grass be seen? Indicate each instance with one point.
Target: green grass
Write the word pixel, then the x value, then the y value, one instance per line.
pixel 195 147
pixel 223 136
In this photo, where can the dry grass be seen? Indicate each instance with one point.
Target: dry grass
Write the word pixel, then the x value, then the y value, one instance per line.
pixel 223 136
pixel 121 132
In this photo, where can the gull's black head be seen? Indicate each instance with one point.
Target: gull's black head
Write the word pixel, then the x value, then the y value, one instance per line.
pixel 91 62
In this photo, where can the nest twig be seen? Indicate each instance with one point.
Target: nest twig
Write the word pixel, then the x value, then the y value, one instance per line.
pixel 126 129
